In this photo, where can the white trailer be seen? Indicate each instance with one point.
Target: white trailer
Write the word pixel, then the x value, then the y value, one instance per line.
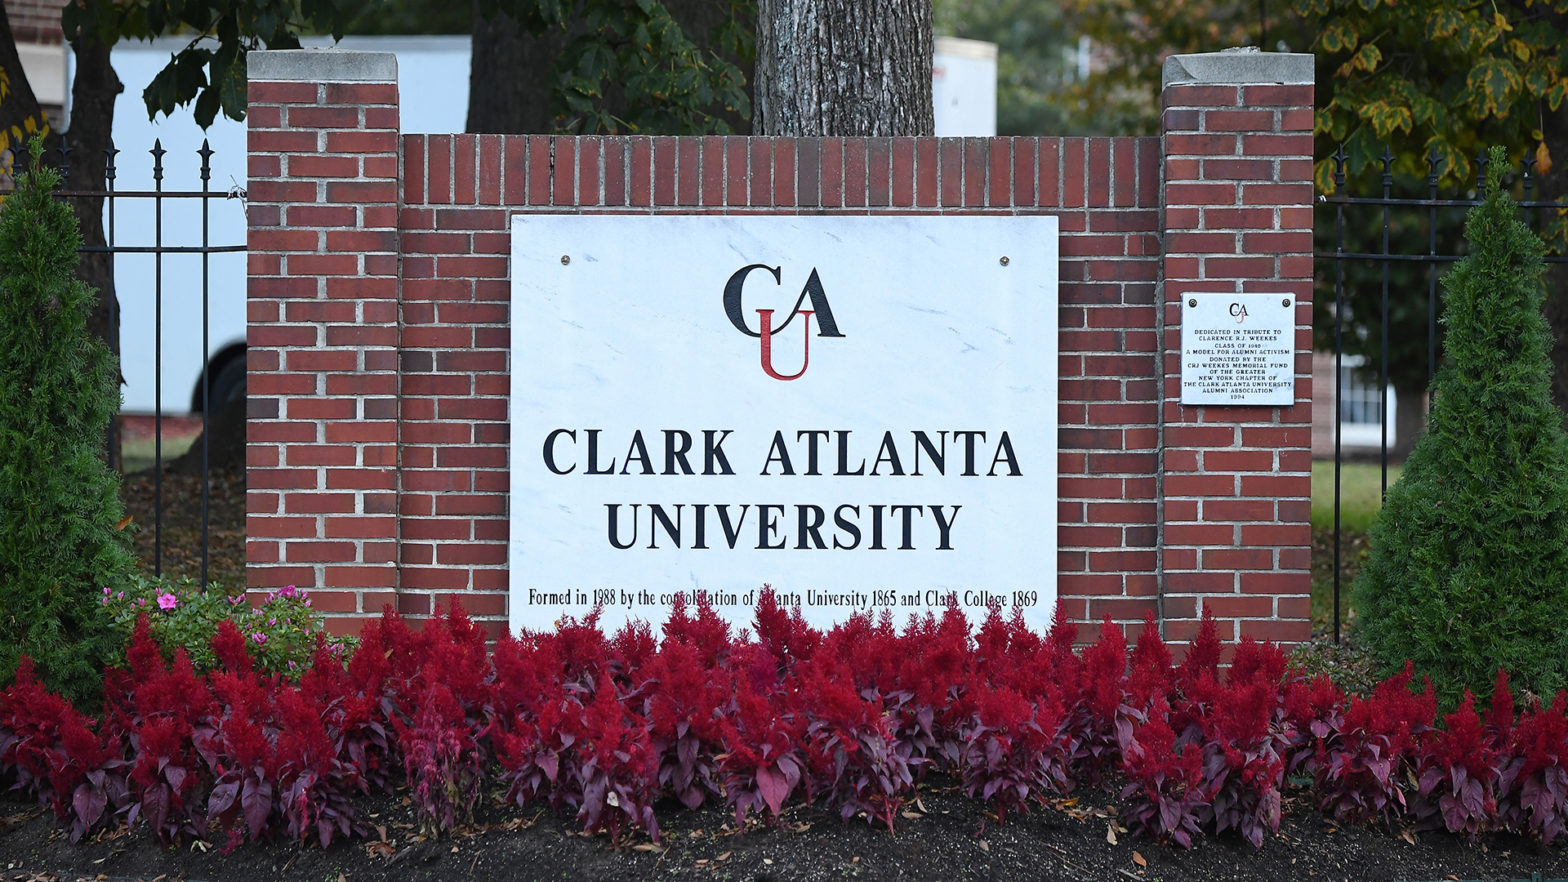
pixel 433 96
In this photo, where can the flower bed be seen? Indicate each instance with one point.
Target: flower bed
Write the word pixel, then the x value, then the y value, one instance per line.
pixel 606 727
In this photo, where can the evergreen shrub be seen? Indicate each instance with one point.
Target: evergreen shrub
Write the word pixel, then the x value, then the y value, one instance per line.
pixel 1469 562
pixel 59 502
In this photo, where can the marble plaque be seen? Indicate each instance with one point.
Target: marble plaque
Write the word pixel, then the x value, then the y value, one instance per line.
pixel 1238 349
pixel 858 411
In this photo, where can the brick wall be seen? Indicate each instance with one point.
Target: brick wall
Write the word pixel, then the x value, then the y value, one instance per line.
pixel 379 350
pixel 35 21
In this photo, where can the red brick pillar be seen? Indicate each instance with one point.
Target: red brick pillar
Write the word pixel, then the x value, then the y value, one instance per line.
pixel 322 458
pixel 1236 482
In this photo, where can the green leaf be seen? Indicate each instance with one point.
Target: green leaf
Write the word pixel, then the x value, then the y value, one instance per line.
pixel 1367 58
pixel 1340 36
pixel 233 89
pixel 1555 96
pixel 1387 118
pixel 1443 22
pixel 1493 83
pixel 1537 81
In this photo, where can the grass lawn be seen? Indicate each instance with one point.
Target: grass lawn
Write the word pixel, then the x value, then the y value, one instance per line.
pixel 137 454
pixel 1360 498
pixel 1360 493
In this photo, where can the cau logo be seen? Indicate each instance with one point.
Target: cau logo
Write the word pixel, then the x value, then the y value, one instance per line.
pixel 818 306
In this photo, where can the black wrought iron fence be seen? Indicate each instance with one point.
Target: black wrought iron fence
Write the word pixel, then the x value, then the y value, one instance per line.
pixel 154 227
pixel 1379 259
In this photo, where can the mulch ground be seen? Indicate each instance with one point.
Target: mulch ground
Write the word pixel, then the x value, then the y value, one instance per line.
pixel 945 836
pixel 175 540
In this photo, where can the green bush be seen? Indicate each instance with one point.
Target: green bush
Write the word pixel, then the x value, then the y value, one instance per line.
pixel 1469 563
pixel 59 502
pixel 282 629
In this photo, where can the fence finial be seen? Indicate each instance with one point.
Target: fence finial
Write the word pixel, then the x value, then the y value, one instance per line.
pixel 206 152
pixel 157 152
pixel 65 160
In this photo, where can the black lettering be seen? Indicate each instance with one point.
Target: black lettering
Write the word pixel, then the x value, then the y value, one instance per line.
pixel 843 457
pixel 847 526
pixel 778 453
pixel 637 450
pixel 768 525
pixel 700 512
pixel 732 298
pixel 549 450
pixel 656 517
pixel 945 526
pixel 1004 451
pixel 811 447
pixel 938 455
pixel 713 451
pixel 809 526
pixel 731 531
pixel 593 455
pixel 612 526
pixel 674 452
pixel 908 512
pixel 969 450
pixel 888 453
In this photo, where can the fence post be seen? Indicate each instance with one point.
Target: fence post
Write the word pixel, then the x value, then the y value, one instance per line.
pixel 1236 481
pixel 322 455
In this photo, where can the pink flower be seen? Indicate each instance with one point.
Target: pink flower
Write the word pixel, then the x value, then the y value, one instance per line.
pixel 258 638
pixel 236 600
pixel 141 601
pixel 106 590
pixel 167 601
pixel 288 591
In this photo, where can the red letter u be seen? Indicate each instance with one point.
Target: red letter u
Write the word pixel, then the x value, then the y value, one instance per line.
pixel 766 319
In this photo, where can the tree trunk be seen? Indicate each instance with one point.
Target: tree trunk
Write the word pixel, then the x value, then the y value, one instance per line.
pixel 509 76
pixel 1409 421
pixel 858 68
pixel 19 107
pixel 92 120
pixel 1554 185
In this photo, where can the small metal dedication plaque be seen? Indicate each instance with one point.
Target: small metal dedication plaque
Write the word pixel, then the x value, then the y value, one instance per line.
pixel 1238 349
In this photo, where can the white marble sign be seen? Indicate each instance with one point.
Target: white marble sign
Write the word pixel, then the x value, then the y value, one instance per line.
pixel 1238 349
pixel 859 411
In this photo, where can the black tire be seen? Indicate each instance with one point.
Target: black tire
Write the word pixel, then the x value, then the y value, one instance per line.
pixel 226 384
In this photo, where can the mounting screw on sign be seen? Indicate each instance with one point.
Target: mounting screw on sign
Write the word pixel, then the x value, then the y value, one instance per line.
pixel 1285 302
pixel 565 259
pixel 1192 302
pixel 1004 260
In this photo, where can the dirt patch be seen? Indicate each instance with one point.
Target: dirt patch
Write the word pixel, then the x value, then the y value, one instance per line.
pixel 181 525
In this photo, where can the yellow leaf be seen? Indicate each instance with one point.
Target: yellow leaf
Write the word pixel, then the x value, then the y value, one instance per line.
pixel 1501 22
pixel 1543 158
pixel 124 522
pixel 1520 49
pixel 1138 859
